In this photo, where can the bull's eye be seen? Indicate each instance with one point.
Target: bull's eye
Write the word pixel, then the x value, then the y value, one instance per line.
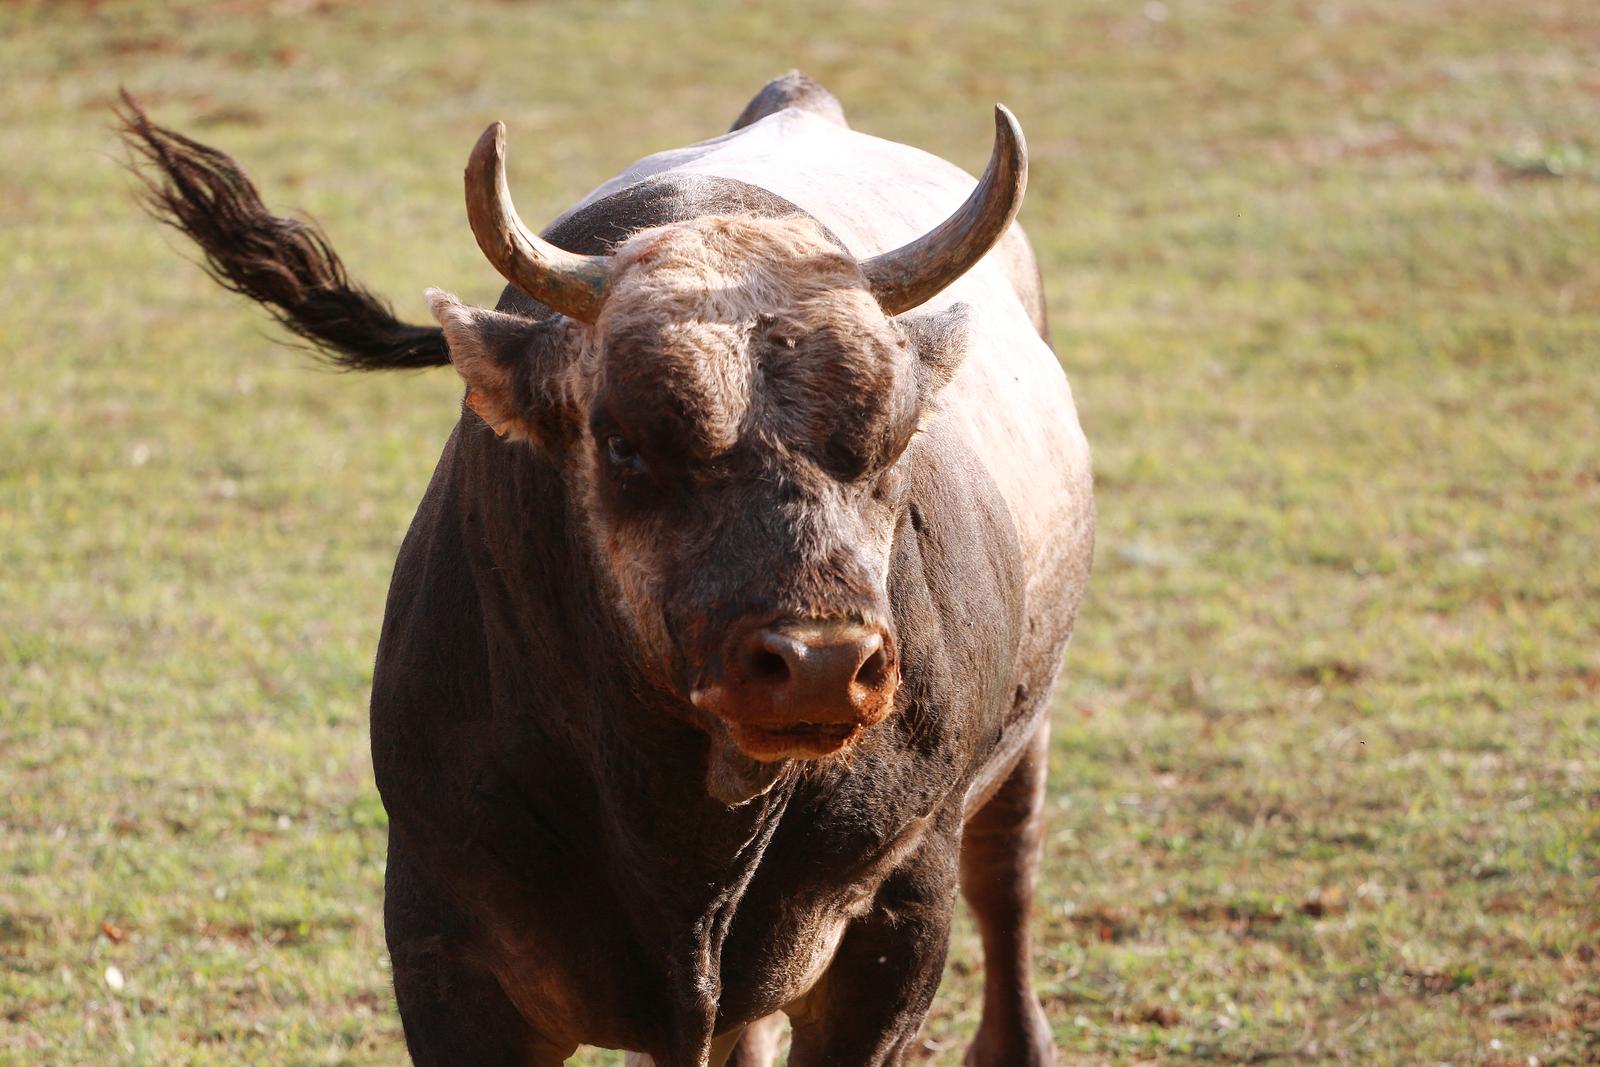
pixel 890 486
pixel 622 455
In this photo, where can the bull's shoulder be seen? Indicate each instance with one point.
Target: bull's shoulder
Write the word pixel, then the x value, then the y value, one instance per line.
pixel 959 587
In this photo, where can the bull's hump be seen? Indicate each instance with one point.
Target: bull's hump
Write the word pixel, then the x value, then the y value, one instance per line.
pixel 873 193
pixel 791 90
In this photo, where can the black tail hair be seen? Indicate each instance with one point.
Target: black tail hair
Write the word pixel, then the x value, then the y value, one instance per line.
pixel 285 264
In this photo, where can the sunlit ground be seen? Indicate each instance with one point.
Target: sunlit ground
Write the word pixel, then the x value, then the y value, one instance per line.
pixel 1325 277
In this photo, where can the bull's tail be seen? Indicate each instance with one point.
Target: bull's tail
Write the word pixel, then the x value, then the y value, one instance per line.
pixel 285 264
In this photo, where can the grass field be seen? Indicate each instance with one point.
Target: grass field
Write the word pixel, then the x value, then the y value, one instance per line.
pixel 1326 279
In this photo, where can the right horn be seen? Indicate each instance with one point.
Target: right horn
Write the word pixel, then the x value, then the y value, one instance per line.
pixel 563 281
pixel 915 273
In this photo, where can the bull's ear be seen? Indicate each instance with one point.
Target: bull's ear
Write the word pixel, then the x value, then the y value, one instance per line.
pixel 941 340
pixel 512 366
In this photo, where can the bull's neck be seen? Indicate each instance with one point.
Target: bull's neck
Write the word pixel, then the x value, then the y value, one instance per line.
pixel 552 627
pixel 572 703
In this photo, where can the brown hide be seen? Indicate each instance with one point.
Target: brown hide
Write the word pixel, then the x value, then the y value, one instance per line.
pixel 561 869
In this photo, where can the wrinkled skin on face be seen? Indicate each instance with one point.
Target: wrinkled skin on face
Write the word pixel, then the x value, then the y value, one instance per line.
pixel 733 427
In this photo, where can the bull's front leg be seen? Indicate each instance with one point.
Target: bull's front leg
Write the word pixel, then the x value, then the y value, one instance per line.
pixel 452 1013
pixel 870 1004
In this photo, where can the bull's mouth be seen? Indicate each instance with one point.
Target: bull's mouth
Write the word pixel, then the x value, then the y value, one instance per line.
pixel 793 689
pixel 801 740
pixel 748 759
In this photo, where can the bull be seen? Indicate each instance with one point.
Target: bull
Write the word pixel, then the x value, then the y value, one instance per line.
pixel 718 657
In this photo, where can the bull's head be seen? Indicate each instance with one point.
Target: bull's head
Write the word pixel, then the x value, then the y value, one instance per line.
pixel 730 400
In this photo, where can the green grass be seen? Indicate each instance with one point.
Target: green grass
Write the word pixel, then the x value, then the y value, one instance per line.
pixel 1326 279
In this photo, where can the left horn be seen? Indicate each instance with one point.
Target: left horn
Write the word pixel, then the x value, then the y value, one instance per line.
pixel 915 273
pixel 564 281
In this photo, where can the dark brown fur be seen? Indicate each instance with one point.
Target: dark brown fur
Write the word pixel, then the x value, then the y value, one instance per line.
pixel 557 872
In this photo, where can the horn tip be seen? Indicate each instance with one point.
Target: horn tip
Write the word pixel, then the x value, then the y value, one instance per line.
pixel 1009 137
pixel 493 138
pixel 1006 120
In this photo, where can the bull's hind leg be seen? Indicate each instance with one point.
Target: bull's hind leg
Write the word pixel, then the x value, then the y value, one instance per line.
pixel 999 861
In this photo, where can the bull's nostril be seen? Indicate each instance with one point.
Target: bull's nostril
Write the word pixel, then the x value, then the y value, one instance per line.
pixel 874 671
pixel 810 673
pixel 764 666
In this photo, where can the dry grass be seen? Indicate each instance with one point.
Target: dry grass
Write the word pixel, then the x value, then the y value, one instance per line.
pixel 1325 276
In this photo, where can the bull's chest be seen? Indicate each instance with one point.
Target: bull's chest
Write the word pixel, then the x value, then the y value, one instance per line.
pixel 787 928
pixel 649 979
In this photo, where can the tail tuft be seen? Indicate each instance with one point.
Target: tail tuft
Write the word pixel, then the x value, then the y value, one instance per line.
pixel 285 264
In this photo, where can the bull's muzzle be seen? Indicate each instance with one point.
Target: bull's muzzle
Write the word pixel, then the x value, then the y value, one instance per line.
pixel 802 689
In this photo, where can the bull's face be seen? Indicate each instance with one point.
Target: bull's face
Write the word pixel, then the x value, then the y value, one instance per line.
pixel 733 428
pixel 731 401
pixel 742 468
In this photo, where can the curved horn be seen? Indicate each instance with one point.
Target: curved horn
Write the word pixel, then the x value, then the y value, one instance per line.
pixel 914 273
pixel 564 281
